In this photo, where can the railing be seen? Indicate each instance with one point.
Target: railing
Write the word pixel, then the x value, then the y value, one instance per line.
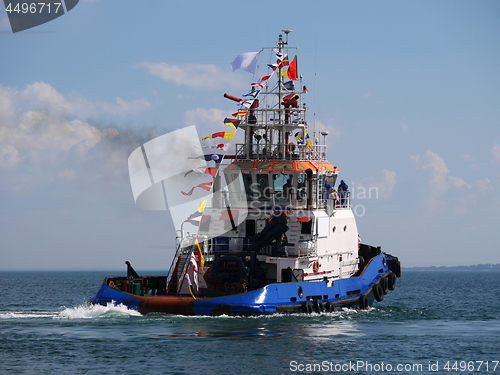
pixel 181 250
pixel 296 200
pixel 174 261
pixel 261 117
pixel 281 152
pixel 341 201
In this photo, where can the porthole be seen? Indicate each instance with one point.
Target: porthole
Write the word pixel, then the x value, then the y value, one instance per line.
pixel 301 292
pixel 334 227
pixel 345 228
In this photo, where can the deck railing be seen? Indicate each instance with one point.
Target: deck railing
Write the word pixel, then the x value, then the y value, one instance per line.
pixel 290 152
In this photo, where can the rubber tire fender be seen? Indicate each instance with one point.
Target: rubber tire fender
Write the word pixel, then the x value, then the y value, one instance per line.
pixel 385 285
pixel 378 293
pixel 363 302
pixel 319 306
pixel 307 307
pixel 391 281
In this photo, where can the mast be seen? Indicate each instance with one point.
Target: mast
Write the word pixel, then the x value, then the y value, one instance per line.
pixel 281 123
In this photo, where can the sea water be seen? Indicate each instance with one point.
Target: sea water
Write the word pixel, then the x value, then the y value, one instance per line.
pixel 434 322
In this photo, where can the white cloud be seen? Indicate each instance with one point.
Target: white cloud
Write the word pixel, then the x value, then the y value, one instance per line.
pixel 209 117
pixel 39 130
pixel 495 154
pixel 44 96
pixel 124 107
pixel 197 76
pixel 7 107
pixel 379 186
pixel 439 182
pixel 484 185
pixel 9 156
pixel 41 138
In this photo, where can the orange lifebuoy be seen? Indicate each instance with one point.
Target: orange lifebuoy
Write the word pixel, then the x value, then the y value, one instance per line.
pixel 111 284
pixel 316 266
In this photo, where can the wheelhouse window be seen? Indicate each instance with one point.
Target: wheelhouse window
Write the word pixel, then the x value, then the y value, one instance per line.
pixel 301 186
pixel 247 181
pixel 262 188
pixel 283 186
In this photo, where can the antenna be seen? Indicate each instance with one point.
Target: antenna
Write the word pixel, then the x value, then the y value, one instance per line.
pixel 287 31
pixel 314 117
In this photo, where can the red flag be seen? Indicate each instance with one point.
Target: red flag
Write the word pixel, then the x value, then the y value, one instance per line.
pixel 283 63
pixel 292 70
pixel 205 186
pixel 211 171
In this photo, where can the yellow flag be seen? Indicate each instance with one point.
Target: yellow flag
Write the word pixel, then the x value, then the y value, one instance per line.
pixel 201 206
pixel 201 260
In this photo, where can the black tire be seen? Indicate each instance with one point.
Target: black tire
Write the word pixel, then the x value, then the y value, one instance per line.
pixel 307 307
pixel 361 263
pixel 328 307
pixel 319 306
pixel 398 269
pixel 385 285
pixel 363 302
pixel 391 281
pixel 378 293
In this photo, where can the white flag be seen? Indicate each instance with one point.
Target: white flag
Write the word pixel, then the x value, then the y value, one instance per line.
pixel 187 277
pixel 246 61
pixel 195 271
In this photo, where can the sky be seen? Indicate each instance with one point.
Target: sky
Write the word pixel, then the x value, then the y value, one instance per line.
pixel 408 91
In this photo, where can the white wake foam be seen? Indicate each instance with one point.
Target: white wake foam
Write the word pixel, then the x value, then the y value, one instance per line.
pixel 84 311
pixel 27 314
pixel 89 311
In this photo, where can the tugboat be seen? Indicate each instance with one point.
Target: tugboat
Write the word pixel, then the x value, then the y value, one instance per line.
pixel 276 237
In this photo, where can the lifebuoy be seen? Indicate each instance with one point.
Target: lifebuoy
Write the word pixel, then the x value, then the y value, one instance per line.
pixel 378 292
pixel 391 281
pixel 111 284
pixel 363 302
pixel 307 307
pixel 315 266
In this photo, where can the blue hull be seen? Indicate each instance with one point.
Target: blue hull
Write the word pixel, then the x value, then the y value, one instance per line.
pixel 355 292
